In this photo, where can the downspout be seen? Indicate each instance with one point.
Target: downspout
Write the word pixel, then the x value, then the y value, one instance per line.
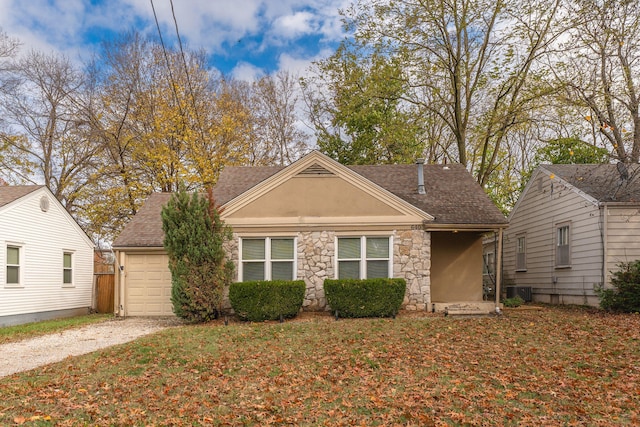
pixel 499 269
pixel 121 280
pixel 605 233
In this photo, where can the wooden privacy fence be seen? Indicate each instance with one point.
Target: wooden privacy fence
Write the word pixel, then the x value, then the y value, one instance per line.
pixel 104 292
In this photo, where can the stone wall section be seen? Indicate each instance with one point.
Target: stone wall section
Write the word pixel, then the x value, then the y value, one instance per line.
pixel 412 261
pixel 316 257
pixel 316 261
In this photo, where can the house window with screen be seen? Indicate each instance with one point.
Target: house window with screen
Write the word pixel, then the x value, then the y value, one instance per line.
pixel 521 253
pixel 364 257
pixel 67 269
pixel 269 258
pixel 13 265
pixel 563 251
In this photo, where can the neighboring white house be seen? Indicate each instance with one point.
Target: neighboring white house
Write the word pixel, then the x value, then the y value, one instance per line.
pixel 47 258
pixel 571 227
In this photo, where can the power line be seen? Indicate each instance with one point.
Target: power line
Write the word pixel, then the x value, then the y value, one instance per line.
pixel 166 58
pixel 186 70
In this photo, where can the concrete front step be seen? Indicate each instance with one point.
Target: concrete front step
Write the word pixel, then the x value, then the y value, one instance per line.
pixel 473 308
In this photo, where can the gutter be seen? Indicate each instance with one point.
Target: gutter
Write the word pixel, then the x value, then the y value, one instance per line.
pixel 429 226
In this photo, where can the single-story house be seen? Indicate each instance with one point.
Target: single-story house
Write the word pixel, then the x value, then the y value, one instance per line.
pixel 317 219
pixel 570 228
pixel 47 258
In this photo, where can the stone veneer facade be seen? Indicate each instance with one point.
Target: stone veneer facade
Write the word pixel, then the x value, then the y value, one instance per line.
pixel 316 261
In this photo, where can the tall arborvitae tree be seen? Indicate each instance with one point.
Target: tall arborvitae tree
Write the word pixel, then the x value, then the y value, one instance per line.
pixel 194 239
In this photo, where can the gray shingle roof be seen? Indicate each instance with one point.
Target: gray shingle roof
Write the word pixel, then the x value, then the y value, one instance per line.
pixel 603 182
pixel 9 193
pixel 452 196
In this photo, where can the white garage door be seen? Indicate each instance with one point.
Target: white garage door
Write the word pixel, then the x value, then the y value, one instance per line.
pixel 148 285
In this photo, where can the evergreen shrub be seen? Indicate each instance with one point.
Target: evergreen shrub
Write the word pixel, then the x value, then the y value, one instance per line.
pixel 194 237
pixel 365 297
pixel 267 299
pixel 625 294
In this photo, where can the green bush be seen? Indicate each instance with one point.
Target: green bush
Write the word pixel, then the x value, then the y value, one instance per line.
pixel 625 294
pixel 365 298
pixel 194 238
pixel 516 301
pixel 267 300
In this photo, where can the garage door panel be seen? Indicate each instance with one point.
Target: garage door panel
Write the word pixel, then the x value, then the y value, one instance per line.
pixel 148 285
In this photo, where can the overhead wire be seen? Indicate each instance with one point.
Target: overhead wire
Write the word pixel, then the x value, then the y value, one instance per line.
pixel 186 70
pixel 166 58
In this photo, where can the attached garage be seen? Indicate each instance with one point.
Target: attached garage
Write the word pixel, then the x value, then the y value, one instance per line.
pixel 147 285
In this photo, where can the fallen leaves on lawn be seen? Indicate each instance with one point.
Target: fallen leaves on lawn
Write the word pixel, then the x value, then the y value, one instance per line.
pixel 559 366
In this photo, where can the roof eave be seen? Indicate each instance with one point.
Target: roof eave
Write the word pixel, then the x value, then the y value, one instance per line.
pixel 464 227
pixel 137 248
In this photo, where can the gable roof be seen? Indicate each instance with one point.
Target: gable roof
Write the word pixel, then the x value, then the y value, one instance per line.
pixel 603 182
pixel 453 197
pixel 10 193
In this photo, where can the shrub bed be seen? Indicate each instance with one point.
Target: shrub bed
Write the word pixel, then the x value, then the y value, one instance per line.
pixel 267 300
pixel 365 298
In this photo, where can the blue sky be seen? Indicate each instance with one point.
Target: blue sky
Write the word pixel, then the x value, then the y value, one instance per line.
pixel 244 38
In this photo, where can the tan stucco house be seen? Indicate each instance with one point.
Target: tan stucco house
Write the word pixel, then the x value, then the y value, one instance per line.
pixel 317 219
pixel 570 228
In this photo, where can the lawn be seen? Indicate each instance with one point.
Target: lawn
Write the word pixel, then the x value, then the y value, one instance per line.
pixel 552 367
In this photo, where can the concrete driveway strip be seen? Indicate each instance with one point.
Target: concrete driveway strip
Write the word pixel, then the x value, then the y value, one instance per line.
pixel 32 353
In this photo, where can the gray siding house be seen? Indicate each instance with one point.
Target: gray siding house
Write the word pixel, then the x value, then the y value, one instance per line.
pixel 571 227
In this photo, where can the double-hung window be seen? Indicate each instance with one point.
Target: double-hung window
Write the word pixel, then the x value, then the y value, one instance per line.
pixel 67 268
pixel 13 265
pixel 521 253
pixel 364 257
pixel 563 246
pixel 268 258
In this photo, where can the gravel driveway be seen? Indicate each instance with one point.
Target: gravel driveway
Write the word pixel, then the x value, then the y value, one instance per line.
pixel 31 353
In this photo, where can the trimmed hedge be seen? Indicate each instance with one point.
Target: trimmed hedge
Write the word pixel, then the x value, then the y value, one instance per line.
pixel 365 298
pixel 267 300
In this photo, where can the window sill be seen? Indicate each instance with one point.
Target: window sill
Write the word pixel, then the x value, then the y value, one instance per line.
pixel 68 285
pixel 562 267
pixel 13 286
pixel 521 270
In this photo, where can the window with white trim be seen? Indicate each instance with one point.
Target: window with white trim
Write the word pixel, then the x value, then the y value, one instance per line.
pixel 363 257
pixel 521 253
pixel 67 268
pixel 268 258
pixel 13 265
pixel 563 246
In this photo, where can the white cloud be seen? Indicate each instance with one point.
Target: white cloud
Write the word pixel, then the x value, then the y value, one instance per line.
pixel 300 65
pixel 246 72
pixel 62 25
pixel 294 26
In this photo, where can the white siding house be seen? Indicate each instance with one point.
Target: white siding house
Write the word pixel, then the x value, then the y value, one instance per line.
pixel 47 259
pixel 570 228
